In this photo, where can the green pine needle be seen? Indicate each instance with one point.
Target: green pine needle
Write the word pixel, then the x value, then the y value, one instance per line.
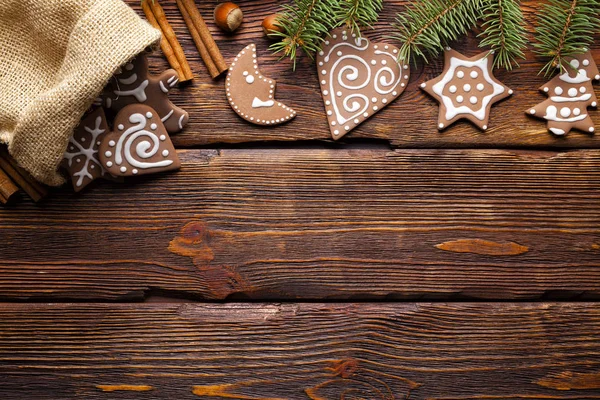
pixel 565 28
pixel 429 25
pixel 306 22
pixel 504 31
pixel 359 13
pixel 304 25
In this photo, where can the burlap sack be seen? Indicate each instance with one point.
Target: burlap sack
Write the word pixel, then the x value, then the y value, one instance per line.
pixel 55 58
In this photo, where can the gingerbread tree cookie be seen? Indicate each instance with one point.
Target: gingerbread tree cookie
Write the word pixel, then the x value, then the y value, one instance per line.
pixel 81 157
pixel 358 79
pixel 570 95
pixel 466 89
pixel 251 94
pixel 133 84
pixel 139 144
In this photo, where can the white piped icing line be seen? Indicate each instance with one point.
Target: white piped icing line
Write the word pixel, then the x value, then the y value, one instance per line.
pixel 123 149
pixel 571 93
pixel 251 95
pixel 349 68
pixel 466 89
pixel 88 150
pixel 479 112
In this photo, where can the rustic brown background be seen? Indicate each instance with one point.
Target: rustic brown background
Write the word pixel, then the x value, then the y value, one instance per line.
pixel 401 263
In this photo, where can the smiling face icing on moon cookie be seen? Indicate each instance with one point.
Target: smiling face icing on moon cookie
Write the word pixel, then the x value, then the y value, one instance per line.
pixel 466 89
pixel 570 94
pixel 358 78
pixel 138 145
pixel 251 94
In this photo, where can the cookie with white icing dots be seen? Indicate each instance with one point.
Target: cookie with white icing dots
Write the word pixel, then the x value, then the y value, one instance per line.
pixel 570 95
pixel 81 157
pixel 251 94
pixel 358 79
pixel 133 84
pixel 466 89
pixel 138 145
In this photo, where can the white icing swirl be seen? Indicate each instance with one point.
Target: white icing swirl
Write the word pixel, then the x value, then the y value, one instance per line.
pixel 143 150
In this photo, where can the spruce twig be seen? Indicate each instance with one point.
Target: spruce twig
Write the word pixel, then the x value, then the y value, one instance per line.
pixel 359 13
pixel 504 31
pixel 304 25
pixel 428 26
pixel 565 28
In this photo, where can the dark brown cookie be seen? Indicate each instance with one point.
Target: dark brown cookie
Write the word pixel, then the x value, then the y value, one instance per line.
pixel 358 79
pixel 133 84
pixel 252 95
pixel 570 95
pixel 81 157
pixel 138 145
pixel 466 89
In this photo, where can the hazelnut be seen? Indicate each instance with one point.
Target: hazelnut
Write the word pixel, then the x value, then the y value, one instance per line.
pixel 269 25
pixel 228 16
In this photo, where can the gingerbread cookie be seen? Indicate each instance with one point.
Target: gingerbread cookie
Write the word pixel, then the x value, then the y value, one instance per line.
pixel 81 157
pixel 251 94
pixel 466 89
pixel 138 145
pixel 570 94
pixel 358 79
pixel 134 84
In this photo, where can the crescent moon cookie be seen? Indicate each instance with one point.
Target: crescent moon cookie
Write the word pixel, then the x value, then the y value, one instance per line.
pixel 570 95
pixel 133 84
pixel 466 89
pixel 358 79
pixel 81 157
pixel 252 95
pixel 139 145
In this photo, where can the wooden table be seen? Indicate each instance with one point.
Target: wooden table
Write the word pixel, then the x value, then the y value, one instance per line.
pixel 400 263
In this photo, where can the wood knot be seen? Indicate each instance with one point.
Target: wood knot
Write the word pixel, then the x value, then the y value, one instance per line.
pixel 483 247
pixel 197 241
pixel 345 368
pixel 193 241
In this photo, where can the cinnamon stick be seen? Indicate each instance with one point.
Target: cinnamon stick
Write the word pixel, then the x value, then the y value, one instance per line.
pixel 202 30
pixel 33 188
pixel 7 187
pixel 164 43
pixel 153 7
pixel 208 61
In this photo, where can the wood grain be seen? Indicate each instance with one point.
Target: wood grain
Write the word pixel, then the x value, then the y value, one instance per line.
pixel 300 351
pixel 408 123
pixel 315 223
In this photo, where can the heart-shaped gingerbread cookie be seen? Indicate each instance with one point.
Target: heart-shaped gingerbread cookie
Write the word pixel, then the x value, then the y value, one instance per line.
pixel 139 144
pixel 358 78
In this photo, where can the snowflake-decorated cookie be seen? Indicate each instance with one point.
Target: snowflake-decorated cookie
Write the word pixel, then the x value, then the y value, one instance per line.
pixel 138 145
pixel 466 89
pixel 133 84
pixel 81 157
pixel 570 95
pixel 251 94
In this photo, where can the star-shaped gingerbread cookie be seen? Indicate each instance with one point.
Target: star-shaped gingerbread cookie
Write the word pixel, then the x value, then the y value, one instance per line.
pixel 466 89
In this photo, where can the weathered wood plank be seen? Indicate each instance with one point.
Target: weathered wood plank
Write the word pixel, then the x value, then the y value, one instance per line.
pixel 300 351
pixel 409 122
pixel 319 223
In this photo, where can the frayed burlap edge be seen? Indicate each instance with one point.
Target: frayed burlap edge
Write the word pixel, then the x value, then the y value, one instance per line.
pixel 105 38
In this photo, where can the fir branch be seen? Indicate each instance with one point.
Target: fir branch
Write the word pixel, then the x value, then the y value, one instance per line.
pixel 304 25
pixel 504 31
pixel 428 26
pixel 359 13
pixel 565 28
